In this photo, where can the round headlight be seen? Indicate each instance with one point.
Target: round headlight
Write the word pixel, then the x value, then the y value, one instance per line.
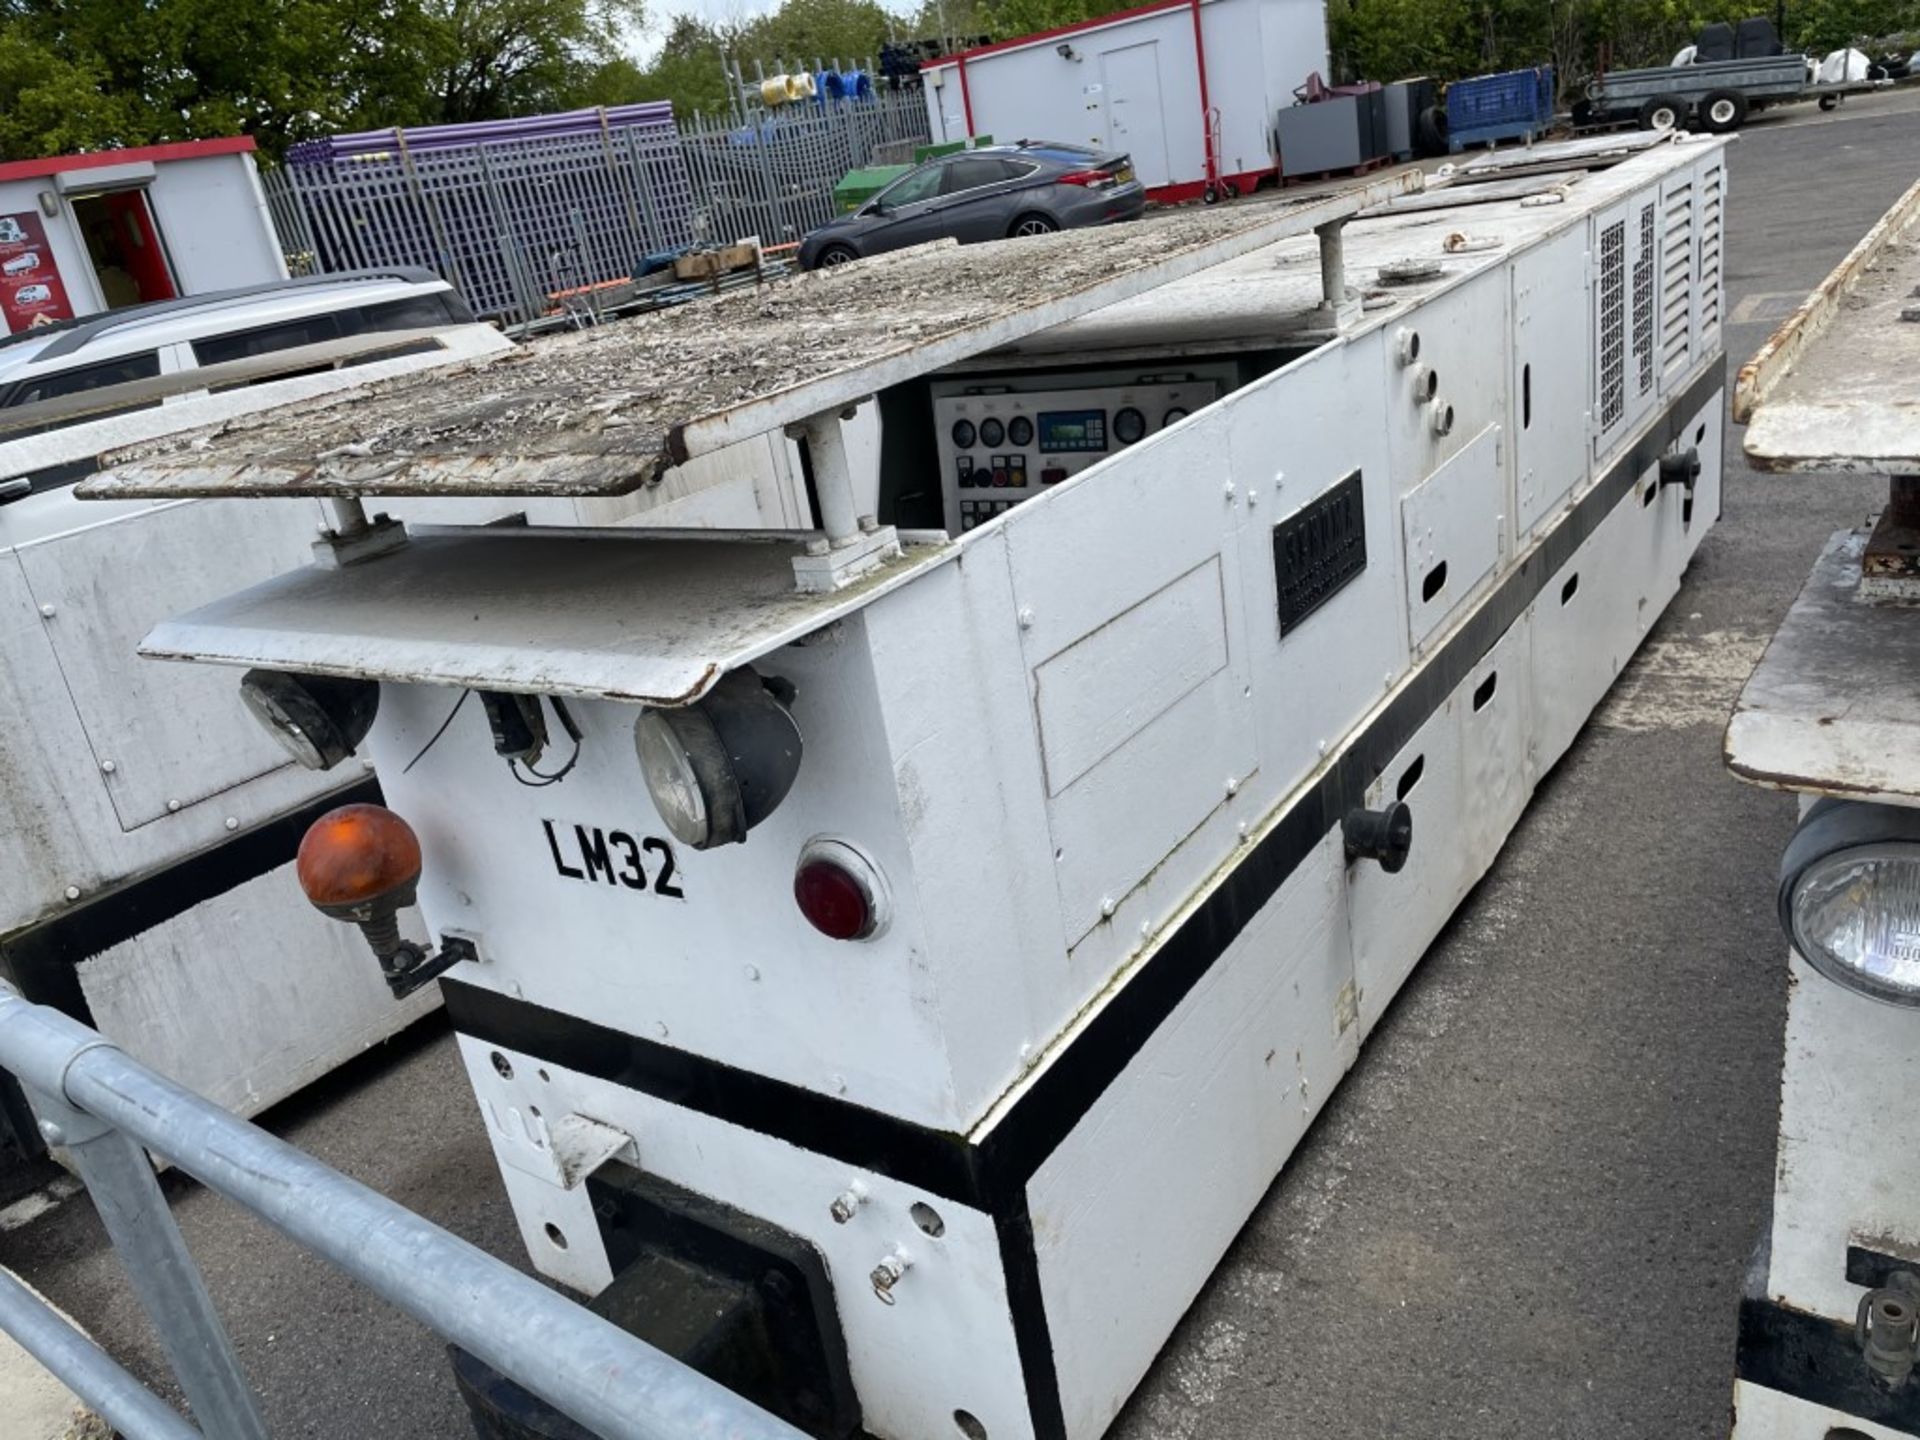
pixel 1850 897
pixel 719 767
pixel 669 772
pixel 317 721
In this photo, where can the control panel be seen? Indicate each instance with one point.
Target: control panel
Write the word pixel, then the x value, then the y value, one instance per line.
pixel 1001 442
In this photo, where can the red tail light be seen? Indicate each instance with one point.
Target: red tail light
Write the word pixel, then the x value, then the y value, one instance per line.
pixel 839 891
pixel 1093 178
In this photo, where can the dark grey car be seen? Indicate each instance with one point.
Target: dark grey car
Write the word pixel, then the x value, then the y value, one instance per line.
pixel 986 194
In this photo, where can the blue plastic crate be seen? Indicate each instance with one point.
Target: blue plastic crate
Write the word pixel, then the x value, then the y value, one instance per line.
pixel 1496 107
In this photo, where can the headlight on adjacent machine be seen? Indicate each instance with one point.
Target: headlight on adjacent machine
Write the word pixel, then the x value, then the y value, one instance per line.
pixel 1850 897
pixel 317 721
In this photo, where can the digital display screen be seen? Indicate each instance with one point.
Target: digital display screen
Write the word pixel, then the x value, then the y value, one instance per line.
pixel 1073 430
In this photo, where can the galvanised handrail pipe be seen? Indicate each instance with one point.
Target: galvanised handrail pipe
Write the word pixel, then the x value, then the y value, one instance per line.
pixel 91 1094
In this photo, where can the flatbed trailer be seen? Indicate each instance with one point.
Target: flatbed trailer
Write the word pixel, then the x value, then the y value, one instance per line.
pixel 1716 95
pixel 1101 760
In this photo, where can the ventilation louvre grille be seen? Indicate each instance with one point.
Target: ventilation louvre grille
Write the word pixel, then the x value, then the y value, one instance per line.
pixel 1676 280
pixel 1712 201
pixel 1643 314
pixel 1613 324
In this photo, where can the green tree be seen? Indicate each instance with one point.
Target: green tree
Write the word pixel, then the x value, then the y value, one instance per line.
pixel 99 73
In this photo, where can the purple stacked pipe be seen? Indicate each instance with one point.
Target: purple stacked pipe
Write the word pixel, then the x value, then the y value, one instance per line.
pixel 648 115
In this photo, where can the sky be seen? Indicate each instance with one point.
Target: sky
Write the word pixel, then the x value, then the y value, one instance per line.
pixel 643 45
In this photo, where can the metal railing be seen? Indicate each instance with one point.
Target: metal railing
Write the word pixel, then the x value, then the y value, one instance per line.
pixel 510 223
pixel 771 173
pixel 104 1107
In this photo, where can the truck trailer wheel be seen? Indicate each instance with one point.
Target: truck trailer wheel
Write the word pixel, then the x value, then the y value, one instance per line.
pixel 1722 111
pixel 1663 112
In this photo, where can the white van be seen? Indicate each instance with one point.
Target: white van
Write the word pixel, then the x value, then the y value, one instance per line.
pixel 45 446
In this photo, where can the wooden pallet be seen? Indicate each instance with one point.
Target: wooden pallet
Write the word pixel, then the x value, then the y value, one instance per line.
pixel 1365 167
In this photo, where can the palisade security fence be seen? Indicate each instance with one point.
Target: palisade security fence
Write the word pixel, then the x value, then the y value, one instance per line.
pixel 515 213
pixel 109 1110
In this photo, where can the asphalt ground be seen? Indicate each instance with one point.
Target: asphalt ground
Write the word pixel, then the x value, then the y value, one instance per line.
pixel 1527 1210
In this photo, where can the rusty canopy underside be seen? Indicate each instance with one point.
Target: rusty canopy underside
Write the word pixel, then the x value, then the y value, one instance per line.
pixel 607 411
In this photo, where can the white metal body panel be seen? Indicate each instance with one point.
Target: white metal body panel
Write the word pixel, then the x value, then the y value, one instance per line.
pixel 1760 1413
pixel 1552 378
pixel 1452 524
pixel 1311 685
pixel 1395 917
pixel 58 826
pixel 165 737
pixel 1844 1176
pixel 945 1345
pixel 1136 646
pixel 1579 640
pixel 1465 344
pixel 998 1008
pixel 248 996
pixel 1136 1208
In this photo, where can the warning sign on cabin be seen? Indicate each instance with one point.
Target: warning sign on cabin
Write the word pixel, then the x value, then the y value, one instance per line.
pixel 30 289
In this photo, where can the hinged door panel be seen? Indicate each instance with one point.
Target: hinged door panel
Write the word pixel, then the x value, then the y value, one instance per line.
pixel 1552 376
pixel 165 736
pixel 1130 600
pixel 1452 526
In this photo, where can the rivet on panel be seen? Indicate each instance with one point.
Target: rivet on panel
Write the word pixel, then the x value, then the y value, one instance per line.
pixel 47 610
pixel 752 972
pixel 173 807
pixel 1026 617
pixel 73 892
pixel 1227 490
pixel 1107 907
pixel 1233 786
pixel 233 822
pixel 660 1028
pixel 107 767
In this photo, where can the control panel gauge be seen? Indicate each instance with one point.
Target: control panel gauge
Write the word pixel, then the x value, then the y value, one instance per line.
pixel 1003 440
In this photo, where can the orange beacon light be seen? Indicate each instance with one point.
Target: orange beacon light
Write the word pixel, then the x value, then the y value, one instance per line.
pixel 361 863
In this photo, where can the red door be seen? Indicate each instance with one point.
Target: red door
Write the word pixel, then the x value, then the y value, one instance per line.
pixel 139 241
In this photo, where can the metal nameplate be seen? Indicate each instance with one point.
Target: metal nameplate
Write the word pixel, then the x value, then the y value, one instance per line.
pixel 1318 550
